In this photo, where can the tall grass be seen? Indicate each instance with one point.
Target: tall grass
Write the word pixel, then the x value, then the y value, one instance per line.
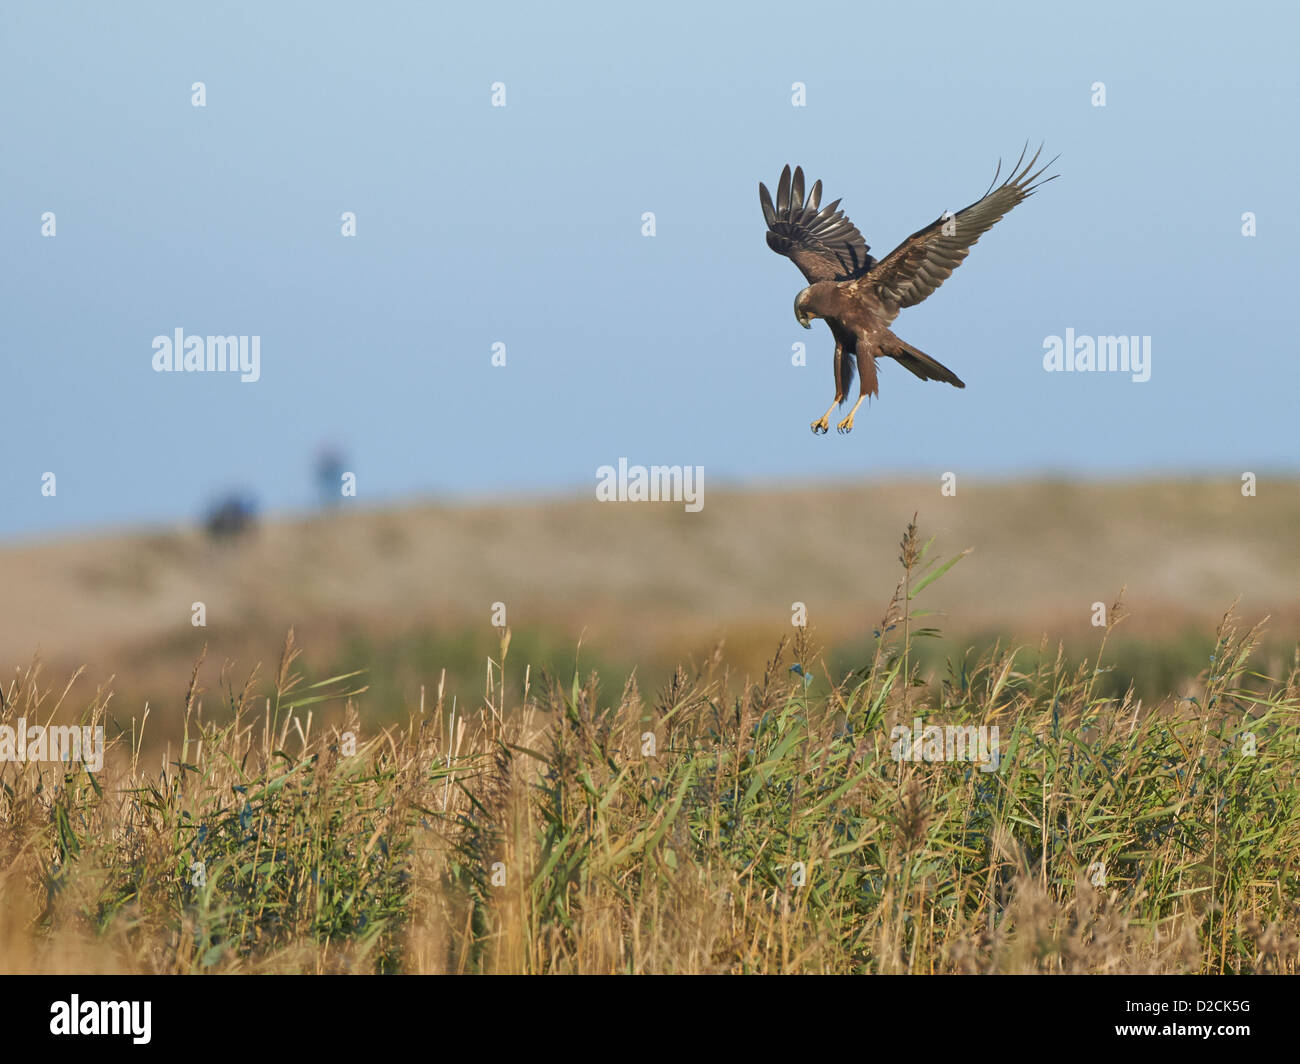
pixel 718 825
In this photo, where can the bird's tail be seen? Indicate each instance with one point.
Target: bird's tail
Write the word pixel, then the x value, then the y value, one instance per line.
pixel 919 363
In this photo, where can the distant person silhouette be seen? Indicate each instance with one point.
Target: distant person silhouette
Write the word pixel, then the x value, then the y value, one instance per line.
pixel 329 475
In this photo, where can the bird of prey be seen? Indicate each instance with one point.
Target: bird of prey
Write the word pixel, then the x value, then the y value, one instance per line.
pixel 859 296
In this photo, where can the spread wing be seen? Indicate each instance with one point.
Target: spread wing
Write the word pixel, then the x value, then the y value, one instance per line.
pixel 926 259
pixel 824 244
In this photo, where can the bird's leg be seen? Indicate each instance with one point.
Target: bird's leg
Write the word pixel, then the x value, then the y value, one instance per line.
pixel 823 424
pixel 847 424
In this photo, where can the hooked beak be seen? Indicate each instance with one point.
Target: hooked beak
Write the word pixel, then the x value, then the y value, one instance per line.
pixel 804 321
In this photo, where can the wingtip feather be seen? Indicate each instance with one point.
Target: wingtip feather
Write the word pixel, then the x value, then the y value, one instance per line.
pixel 765 201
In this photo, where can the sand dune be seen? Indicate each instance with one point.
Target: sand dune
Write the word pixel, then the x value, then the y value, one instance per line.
pixel 650 577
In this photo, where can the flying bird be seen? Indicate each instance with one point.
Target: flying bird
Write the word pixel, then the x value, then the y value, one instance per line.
pixel 859 296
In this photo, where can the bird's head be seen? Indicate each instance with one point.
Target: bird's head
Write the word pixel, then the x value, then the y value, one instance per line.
pixel 802 311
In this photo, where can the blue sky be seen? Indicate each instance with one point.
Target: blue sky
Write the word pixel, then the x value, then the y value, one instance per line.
pixel 522 225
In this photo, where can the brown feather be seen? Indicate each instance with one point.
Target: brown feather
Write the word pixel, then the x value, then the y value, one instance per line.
pixel 922 262
pixel 823 243
pixel 859 298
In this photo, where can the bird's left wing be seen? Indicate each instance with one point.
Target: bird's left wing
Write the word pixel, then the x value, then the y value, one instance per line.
pixel 926 259
pixel 824 244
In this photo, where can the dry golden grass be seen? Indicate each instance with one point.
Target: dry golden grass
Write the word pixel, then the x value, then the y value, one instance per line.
pixel 649 585
pixel 768 830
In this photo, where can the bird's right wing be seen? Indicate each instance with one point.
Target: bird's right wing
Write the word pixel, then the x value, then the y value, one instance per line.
pixel 823 243
pixel 926 259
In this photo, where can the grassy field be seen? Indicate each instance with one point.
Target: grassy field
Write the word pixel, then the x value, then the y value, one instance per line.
pixel 408 592
pixel 719 822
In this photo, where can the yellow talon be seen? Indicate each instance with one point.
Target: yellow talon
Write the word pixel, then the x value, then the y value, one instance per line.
pixel 823 425
pixel 847 424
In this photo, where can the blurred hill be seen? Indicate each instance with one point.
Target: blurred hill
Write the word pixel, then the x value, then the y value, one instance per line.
pixel 648 584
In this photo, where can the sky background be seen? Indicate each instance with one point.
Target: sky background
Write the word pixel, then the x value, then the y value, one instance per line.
pixel 522 225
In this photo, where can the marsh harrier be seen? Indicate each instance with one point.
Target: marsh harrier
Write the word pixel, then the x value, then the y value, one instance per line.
pixel 860 296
